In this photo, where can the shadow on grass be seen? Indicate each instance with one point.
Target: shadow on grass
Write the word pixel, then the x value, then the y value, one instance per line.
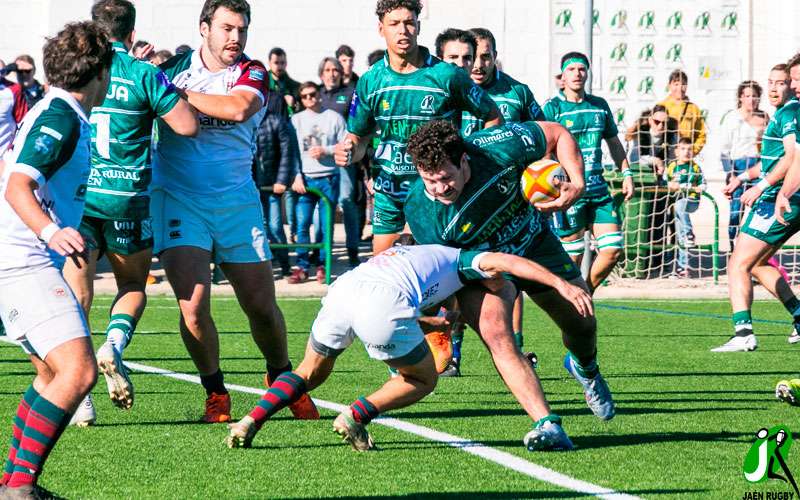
pixel 460 495
pixel 610 441
pixel 517 411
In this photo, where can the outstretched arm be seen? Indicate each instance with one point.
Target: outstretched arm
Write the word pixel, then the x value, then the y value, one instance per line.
pixel 495 263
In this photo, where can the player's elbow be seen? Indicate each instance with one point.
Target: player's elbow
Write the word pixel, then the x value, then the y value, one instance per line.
pixel 187 128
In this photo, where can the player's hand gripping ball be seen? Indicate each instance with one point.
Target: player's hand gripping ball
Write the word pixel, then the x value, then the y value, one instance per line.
pixel 539 181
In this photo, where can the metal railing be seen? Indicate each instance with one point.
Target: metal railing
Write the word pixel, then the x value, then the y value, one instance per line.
pixel 327 236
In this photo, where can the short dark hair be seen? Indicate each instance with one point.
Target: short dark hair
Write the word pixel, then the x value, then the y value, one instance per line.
pixel 685 140
pixel 163 54
pixel 345 50
pixel 433 142
pixel 139 44
pixel 574 55
pixel 678 74
pixel 27 58
pixel 76 55
pixel 793 61
pixel 484 34
pixel 457 35
pixel 276 51
pixel 182 48
pixel 306 85
pixel 374 56
pixel 781 67
pixel 211 6
pixel 117 17
pixel 386 6
pixel 659 108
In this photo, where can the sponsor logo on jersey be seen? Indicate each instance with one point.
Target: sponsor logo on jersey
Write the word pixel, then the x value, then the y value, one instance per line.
pixel 498 136
pixel 164 81
pixel 174 222
pixel 354 104
pixel 124 225
pixel 256 74
pixel 13 316
pixel 174 235
pixel 504 111
pixel 569 123
pixel 466 227
pixel 209 122
pixel 120 174
pixel 117 92
pixel 385 105
pixel 43 144
pixel 427 104
pixel 340 99
pixel 59 291
pixel 475 94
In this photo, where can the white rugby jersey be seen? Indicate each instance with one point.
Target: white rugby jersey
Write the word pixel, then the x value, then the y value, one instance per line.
pixel 427 273
pixel 220 158
pixel 52 147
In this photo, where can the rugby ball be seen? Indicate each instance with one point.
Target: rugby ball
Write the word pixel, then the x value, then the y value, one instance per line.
pixel 538 181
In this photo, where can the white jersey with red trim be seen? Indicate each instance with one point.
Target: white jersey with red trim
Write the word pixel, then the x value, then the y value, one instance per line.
pixel 12 109
pixel 219 159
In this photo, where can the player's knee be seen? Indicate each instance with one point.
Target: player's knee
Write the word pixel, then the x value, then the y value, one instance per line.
pixel 81 377
pixel 196 317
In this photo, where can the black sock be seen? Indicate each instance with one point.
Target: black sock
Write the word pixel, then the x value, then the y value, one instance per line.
pixel 273 373
pixel 214 383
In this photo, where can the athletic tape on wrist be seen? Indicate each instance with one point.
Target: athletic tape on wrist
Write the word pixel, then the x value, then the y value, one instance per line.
pixel 49 230
pixel 627 173
pixel 744 176
pixel 763 184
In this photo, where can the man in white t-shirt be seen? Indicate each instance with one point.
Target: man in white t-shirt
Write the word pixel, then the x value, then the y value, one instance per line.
pixel 206 207
pixel 379 303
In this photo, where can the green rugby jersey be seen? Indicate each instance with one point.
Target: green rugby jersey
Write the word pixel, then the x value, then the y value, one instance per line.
pixel 782 123
pixel 121 133
pixel 589 121
pixel 398 104
pixel 491 213
pixel 514 99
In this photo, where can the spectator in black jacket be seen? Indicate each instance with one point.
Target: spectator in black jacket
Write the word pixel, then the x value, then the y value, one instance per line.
pixel 275 164
pixel 335 95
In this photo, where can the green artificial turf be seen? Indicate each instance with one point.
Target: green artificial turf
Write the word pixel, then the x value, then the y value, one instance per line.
pixel 685 420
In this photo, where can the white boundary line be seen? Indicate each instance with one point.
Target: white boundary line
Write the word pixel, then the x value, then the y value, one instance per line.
pixel 499 457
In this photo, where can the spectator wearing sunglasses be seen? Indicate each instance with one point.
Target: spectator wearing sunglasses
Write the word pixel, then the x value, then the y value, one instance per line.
pixel 26 69
pixel 654 136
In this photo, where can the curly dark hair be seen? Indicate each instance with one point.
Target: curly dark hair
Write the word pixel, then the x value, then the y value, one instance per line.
pixel 386 6
pixel 210 8
pixel 432 143
pixel 78 53
pixel 793 61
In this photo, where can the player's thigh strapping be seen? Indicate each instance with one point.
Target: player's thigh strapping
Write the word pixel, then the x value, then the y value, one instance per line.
pixel 39 309
pixel 380 315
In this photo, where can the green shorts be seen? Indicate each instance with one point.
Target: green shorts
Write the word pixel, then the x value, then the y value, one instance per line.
pixel 589 210
pixel 387 215
pixel 124 237
pixel 547 251
pixel 762 224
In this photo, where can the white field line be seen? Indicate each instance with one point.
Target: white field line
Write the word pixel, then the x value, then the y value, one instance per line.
pixel 499 457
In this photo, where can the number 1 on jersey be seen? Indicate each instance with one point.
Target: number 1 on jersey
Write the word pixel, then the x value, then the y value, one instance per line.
pixel 102 135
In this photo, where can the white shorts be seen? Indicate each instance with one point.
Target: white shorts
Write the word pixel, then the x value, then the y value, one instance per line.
pixel 229 225
pixel 39 310
pixel 380 315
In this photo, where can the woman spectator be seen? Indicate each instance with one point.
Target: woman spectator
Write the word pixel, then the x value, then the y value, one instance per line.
pixel 741 131
pixel 654 136
pixel 688 115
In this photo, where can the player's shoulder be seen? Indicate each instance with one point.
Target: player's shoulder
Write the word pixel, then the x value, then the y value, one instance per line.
pixel 555 102
pixel 246 64
pixel 177 64
pixel 790 108
pixel 55 117
pixel 596 101
pixel 511 82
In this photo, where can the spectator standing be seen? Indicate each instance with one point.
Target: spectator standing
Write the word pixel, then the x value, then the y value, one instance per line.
pixel 318 131
pixel 26 70
pixel 279 80
pixel 654 137
pixel 275 163
pixel 685 179
pixel 688 115
pixel 741 131
pixel 346 57
pixel 13 108
pixel 335 96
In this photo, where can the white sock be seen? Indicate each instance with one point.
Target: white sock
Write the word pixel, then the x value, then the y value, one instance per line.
pixel 116 338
